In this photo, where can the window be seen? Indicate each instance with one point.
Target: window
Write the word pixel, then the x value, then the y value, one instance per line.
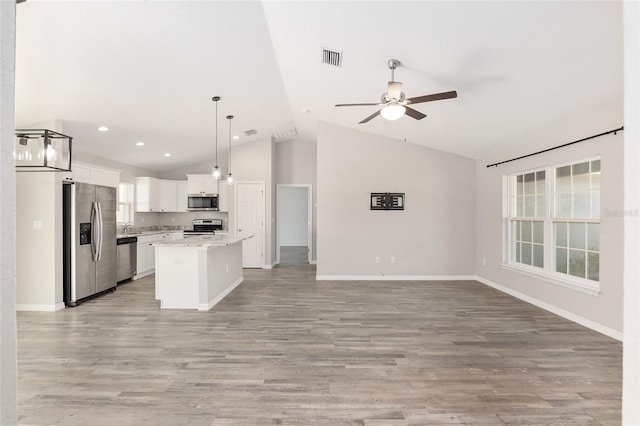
pixel 553 225
pixel 125 204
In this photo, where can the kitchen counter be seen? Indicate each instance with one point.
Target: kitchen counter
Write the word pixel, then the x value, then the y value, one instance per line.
pixel 219 240
pixel 197 272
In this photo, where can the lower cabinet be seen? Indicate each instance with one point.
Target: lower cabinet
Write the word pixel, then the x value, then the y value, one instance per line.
pixel 146 261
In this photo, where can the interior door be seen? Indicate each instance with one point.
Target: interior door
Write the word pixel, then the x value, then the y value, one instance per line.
pixel 106 266
pixel 84 284
pixel 250 221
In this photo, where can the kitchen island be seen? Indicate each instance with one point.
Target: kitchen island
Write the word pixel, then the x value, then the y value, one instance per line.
pixel 198 272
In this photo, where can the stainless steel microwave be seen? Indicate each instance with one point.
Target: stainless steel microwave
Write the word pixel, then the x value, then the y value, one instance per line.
pixel 202 202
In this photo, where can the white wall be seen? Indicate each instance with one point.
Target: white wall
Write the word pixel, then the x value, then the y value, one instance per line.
pixel 253 162
pixel 605 309
pixel 39 248
pixel 433 236
pixel 631 355
pixel 296 163
pixel 293 216
pixel 8 414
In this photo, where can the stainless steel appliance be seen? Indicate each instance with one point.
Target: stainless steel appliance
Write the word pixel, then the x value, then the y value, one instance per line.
pixel 126 258
pixel 89 243
pixel 202 202
pixel 204 227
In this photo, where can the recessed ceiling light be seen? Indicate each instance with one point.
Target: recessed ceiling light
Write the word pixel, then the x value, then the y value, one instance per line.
pixel 167 155
pixel 236 137
pixel 139 143
pixel 103 128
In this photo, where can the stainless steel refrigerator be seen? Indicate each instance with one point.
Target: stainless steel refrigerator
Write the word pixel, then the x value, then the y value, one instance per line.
pixel 89 243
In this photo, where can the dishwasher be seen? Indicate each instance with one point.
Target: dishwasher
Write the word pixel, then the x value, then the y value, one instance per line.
pixel 127 257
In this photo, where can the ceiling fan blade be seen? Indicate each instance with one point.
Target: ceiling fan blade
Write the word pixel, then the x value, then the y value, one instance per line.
pixel 434 97
pixel 356 104
pixel 413 113
pixel 369 118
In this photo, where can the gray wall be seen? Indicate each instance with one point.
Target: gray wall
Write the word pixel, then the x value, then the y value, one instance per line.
pixel 604 309
pixel 296 162
pixel 292 216
pixel 433 236
pixel 8 414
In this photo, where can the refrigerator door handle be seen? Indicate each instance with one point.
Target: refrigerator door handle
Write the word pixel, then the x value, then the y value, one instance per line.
pixel 100 233
pixel 94 231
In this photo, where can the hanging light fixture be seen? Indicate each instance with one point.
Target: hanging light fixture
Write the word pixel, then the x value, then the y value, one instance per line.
pixel 42 150
pixel 393 111
pixel 216 170
pixel 229 176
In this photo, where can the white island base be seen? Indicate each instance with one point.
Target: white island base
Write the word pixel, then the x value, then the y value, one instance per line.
pixel 197 272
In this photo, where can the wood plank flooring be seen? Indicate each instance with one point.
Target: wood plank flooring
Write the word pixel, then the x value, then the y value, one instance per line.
pixel 285 349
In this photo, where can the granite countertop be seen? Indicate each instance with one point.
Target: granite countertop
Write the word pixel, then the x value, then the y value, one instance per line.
pixel 205 241
pixel 139 234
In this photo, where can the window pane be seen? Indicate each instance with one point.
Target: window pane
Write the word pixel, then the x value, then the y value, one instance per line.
pixel 595 203
pixel 576 235
pixel 538 255
pixel 540 208
pixel 595 166
pixel 579 169
pixel 518 252
pixel 514 233
pixel 593 266
pixel 581 204
pixel 518 230
pixel 520 207
pixel 563 172
pixel 593 236
pixel 519 187
pixel 595 180
pixel 529 205
pixel 538 232
pixel 561 234
pixel 581 182
pixel 526 253
pixel 529 183
pixel 576 263
pixel 563 184
pixel 561 260
pixel 563 205
pixel 540 182
pixel 526 230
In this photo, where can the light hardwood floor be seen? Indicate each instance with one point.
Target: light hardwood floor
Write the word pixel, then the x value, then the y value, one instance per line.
pixel 285 349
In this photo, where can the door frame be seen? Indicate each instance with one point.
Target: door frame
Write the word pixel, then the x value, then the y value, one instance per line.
pixel 264 215
pixel 309 217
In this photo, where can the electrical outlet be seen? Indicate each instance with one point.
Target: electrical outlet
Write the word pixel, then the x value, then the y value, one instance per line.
pixel 173 219
pixel 377 259
pixel 37 225
pixel 393 259
pixel 179 261
pixel 484 261
pixel 226 267
pixel 142 219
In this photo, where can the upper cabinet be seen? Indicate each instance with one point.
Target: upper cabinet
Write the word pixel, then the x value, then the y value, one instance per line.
pixel 87 173
pixel 202 184
pixel 159 195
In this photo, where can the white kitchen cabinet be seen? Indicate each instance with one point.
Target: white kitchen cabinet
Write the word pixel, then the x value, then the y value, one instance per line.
pixel 146 258
pixel 168 196
pixel 223 196
pixel 87 173
pixel 148 194
pixel 202 184
pixel 181 195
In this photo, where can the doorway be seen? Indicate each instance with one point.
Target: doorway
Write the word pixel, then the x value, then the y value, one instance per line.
pixel 294 224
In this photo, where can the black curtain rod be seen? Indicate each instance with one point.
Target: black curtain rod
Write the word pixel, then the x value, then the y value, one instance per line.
pixel 614 131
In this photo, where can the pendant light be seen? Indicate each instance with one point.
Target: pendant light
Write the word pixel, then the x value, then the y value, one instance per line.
pixel 216 170
pixel 229 176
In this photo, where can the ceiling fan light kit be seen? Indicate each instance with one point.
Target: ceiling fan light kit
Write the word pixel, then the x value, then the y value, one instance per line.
pixel 394 104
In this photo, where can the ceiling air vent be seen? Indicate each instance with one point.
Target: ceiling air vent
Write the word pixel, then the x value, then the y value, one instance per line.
pixel 284 134
pixel 250 132
pixel 331 57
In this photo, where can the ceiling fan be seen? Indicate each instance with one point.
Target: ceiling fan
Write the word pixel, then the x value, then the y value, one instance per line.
pixel 395 105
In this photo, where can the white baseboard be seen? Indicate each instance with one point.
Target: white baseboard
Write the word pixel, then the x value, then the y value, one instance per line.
pixel 213 302
pixel 270 266
pixel 313 262
pixel 395 277
pixel 39 308
pixel 614 334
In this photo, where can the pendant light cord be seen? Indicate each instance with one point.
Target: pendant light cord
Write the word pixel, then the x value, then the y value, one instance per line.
pixel 229 117
pixel 216 133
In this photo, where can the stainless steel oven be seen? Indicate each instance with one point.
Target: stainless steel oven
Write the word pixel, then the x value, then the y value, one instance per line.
pixel 202 202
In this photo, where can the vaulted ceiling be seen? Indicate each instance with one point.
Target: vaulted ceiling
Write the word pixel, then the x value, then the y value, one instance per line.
pixel 148 69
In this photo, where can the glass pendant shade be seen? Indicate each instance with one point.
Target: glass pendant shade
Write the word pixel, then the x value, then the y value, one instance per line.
pixel 230 179
pixel 393 111
pixel 216 172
